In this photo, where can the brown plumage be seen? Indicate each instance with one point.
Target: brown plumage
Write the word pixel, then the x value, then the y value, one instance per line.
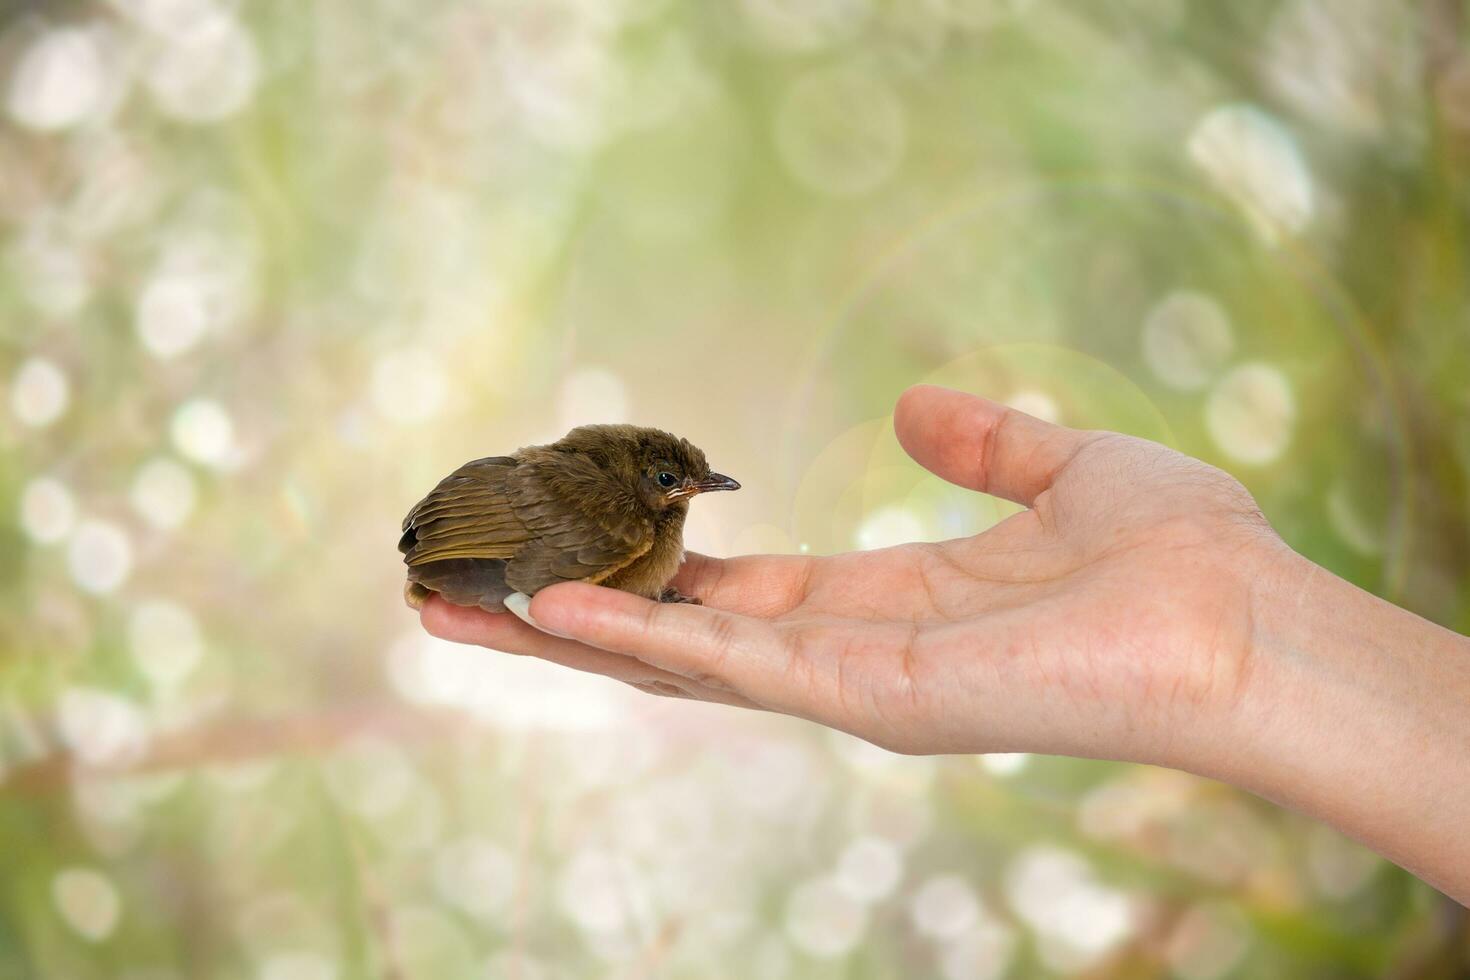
pixel 604 504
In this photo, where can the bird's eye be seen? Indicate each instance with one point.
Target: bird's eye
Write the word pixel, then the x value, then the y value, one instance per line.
pixel 667 479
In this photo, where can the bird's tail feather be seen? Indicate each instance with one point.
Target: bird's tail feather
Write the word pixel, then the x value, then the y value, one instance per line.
pixel 462 581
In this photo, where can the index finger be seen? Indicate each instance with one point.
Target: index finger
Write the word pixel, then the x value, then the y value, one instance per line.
pixel 713 647
pixel 505 633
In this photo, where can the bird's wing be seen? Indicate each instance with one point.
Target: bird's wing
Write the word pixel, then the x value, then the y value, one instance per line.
pixel 499 507
pixel 567 544
pixel 468 515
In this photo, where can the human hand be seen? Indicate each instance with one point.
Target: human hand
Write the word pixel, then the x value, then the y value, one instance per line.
pixel 1140 608
pixel 1112 618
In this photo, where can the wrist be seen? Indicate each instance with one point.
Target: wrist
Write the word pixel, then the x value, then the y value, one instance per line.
pixel 1357 713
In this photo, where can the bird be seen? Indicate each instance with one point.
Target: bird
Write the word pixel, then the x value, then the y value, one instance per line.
pixel 604 504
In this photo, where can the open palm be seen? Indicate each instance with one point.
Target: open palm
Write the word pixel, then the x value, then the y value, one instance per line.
pixel 1115 607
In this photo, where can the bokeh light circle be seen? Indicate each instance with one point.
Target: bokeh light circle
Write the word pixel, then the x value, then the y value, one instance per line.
pixel 1251 414
pixel 47 510
pixel 172 316
pixel 163 492
pixel 371 776
pixel 982 953
pixel 62 80
pixel 476 875
pixel 87 901
pixel 1345 65
pixel 888 526
pixel 869 868
pixel 102 728
pixel 39 393
pixel 53 272
pixel 1338 867
pixel 841 131
pixel 510 693
pixel 203 431
pixel 944 907
pixel 99 556
pixel 601 892
pixel 166 641
pixel 207 75
pixel 1054 891
pixel 1036 403
pixel 1255 161
pixel 1187 339
pixel 1208 942
pixel 823 920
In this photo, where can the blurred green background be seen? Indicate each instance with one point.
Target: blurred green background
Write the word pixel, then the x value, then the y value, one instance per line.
pixel 270 268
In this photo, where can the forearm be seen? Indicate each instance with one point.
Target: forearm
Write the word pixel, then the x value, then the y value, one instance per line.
pixel 1357 713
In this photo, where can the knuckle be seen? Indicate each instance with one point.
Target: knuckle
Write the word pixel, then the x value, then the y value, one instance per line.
pixel 710 680
pixel 662 689
pixel 721 634
pixel 991 433
pixel 803 583
pixel 652 613
pixel 806 648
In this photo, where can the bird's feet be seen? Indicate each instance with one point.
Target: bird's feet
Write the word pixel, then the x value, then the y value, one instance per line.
pixel 674 595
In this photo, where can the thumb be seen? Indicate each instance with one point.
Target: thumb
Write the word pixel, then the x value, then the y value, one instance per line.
pixel 981 444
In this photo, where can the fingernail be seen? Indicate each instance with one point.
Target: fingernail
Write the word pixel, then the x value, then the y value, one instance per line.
pixel 520 604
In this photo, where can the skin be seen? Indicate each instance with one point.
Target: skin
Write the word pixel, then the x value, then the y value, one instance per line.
pixel 1140 608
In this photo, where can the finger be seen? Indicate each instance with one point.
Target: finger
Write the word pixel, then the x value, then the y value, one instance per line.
pixel 467 624
pixel 983 445
pixel 712 647
pixel 753 585
pixel 505 633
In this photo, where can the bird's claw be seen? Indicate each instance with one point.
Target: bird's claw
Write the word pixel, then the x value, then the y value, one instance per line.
pixel 674 595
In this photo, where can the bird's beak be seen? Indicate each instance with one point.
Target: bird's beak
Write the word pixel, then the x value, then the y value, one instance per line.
pixel 715 481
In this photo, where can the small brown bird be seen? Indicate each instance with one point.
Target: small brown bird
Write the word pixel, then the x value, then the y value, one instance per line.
pixel 604 504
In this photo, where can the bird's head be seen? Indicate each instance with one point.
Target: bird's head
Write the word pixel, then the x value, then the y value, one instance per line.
pixel 663 470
